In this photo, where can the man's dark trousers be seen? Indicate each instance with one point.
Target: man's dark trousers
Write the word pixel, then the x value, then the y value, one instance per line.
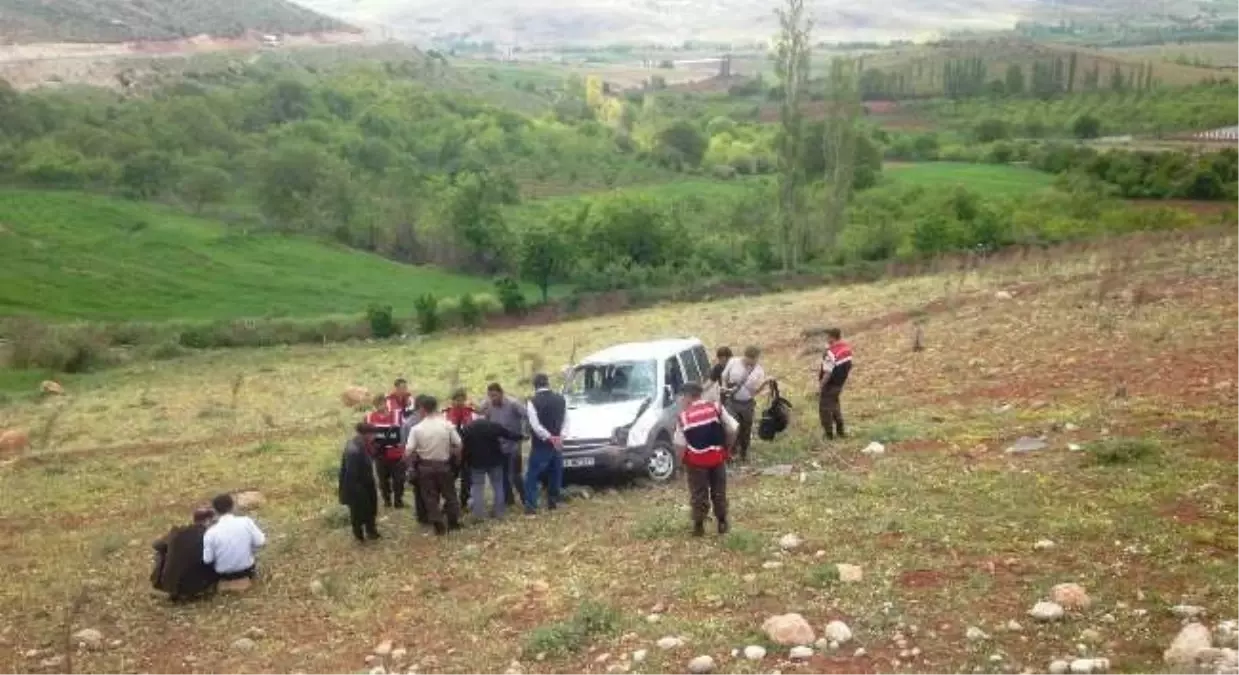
pixel 391 480
pixel 829 411
pixel 708 487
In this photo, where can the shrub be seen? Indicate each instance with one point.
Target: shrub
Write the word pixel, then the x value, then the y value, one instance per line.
pixel 470 313
pixel 1121 451
pixel 1086 126
pixel 426 307
pixel 68 349
pixel 510 296
pixel 382 324
pixel 990 130
pixel 565 637
pixel 821 576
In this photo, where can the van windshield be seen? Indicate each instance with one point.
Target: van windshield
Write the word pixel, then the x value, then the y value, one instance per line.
pixel 597 383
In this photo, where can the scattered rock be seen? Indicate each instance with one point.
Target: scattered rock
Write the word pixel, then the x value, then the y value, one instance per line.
pixel 790 542
pixel 51 388
pixel 1059 667
pixel 255 633
pixel 1003 295
pixel 378 670
pixel 819 554
pixel 1086 666
pixel 789 630
pixel 603 658
pixel 800 653
pixel 975 634
pixel 653 618
pixel 1026 444
pixel 1219 660
pixel 1046 611
pixel 1014 626
pixel 14 440
pixel 52 662
pixel 354 397
pixel 701 664
pixel 1070 596
pixel 88 638
pixel 850 573
pixel 248 500
pixel 1108 618
pixel 749 578
pixel 539 586
pixel 874 449
pixel 860 651
pixel 996 658
pixel 317 587
pixel 778 470
pixel 754 652
pixel 1075 447
pixel 514 668
pixel 1140 612
pixel 771 565
pixel 658 608
pixel 1044 545
pixel 1188 611
pixel 1187 645
pixel 1226 634
pixel 1090 636
pixel 837 631
pixel 1070 427
pixel 639 655
pixel 370 659
pixel 397 655
pixel 384 649
pixel 670 642
pixel 244 645
pixel 822 644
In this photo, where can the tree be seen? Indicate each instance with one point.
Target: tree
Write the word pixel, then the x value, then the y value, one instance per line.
pixel 991 129
pixel 840 138
pixel 792 68
pixel 204 184
pixel 473 215
pixel 682 141
pixel 1086 126
pixel 1071 72
pixel 546 255
pixel 1015 80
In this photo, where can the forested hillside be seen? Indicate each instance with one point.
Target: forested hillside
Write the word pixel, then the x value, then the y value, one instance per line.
pixel 122 20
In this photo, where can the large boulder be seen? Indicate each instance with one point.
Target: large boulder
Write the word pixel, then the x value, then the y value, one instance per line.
pixel 1187 646
pixel 248 500
pixel 1070 596
pixel 51 388
pixel 789 630
pixel 14 440
pixel 355 396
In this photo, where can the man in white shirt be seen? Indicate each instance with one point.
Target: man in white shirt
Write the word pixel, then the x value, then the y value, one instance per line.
pixel 229 545
pixel 742 381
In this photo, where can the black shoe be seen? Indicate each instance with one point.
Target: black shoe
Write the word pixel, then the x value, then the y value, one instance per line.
pixel 699 529
pixel 723 527
pixel 531 511
pixel 552 507
pixel 374 535
pixel 440 529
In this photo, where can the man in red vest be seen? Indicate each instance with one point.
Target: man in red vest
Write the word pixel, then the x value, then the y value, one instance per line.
pixel 460 413
pixel 704 431
pixel 387 452
pixel 400 400
pixel 831 376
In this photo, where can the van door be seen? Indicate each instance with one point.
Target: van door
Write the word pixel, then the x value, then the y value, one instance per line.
pixel 692 372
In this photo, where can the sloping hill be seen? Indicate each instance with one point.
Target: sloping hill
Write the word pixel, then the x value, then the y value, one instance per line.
pixel 72 255
pixel 123 20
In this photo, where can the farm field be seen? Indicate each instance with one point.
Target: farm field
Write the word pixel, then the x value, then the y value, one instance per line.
pixel 944 524
pixel 1215 54
pixel 987 179
pixel 89 257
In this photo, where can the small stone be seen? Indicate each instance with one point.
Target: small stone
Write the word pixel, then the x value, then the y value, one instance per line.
pixel 244 645
pixel 822 644
pixel 539 586
pixel 1070 427
pixel 850 573
pixel 603 658
pixel 916 651
pixel 378 670
pixel 88 638
pixel 1003 295
pixel 248 500
pixel 1070 596
pixel 1108 618
pixel 701 664
pixel 255 633
pixel 790 542
pixel 789 630
pixel 874 449
pixel 639 655
pixel 819 554
pixel 52 661
pixel 1025 444
pixel 754 652
pixel 658 608
pixel 670 642
pixel 51 388
pixel 398 655
pixel 1188 611
pixel 1046 611
pixel 1090 636
pixel 1075 447
pixel 1044 545
pixel 1059 667
pixel 975 634
pixel 996 658
pixel 1226 634
pixel 1086 666
pixel 832 645
pixel 653 618
pixel 515 668
pixel 384 649
pixel 1139 612
pixel 800 653
pixel 771 565
pixel 860 652
pixel 749 578
pixel 1187 645
pixel 838 632
pixel 370 659
pixel 1014 626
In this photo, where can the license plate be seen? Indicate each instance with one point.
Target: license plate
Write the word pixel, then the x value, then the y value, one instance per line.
pixel 578 462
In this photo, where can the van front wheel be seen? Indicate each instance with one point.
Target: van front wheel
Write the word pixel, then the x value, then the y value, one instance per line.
pixel 661 465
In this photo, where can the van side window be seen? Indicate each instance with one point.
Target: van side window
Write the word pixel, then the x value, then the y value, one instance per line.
pixel 692 372
pixel 703 362
pixel 675 376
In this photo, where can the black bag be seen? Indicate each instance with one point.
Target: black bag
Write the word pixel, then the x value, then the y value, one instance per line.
pixel 776 417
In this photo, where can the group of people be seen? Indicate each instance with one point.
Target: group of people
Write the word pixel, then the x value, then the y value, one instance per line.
pixel 218 545
pixel 450 456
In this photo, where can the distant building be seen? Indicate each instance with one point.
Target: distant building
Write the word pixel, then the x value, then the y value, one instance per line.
pixel 1224 134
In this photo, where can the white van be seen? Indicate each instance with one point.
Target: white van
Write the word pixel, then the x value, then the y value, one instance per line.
pixel 622 407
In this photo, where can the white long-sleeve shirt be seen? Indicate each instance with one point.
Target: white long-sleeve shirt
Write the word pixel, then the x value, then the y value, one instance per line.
pixel 230 543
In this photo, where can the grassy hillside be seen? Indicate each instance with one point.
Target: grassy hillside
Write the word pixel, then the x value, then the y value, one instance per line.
pixel 986 179
pixel 1136 492
pixel 84 256
pixel 121 20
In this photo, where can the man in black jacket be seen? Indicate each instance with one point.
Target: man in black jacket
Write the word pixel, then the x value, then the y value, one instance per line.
pixel 179 570
pixel 546 412
pixel 482 441
pixel 358 490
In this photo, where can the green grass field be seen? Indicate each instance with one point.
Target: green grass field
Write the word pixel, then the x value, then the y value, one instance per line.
pixel 990 179
pixel 68 255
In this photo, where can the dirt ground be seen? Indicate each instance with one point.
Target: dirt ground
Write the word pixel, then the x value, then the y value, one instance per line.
pixel 1126 351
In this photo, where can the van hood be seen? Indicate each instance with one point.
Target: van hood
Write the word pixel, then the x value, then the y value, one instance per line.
pixel 599 421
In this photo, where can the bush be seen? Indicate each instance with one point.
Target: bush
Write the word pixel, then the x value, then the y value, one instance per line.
pixel 990 130
pixel 565 637
pixel 1121 451
pixel 510 296
pixel 470 313
pixel 1086 126
pixel 382 324
pixel 426 307
pixel 66 349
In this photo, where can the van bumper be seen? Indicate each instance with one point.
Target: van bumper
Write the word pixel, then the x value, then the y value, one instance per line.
pixel 606 459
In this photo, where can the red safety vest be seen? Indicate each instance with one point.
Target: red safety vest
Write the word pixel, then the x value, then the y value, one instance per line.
pixel 704 435
pixel 387 438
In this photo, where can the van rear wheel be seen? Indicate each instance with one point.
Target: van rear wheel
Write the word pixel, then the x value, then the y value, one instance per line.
pixel 661 465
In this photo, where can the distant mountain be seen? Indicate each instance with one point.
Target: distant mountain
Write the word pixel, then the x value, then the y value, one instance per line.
pixel 557 22
pixel 25 21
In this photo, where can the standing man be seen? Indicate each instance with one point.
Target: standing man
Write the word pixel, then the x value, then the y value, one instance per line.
pixel 510 414
pixel 410 419
pixel 703 432
pixel 357 489
pixel 460 413
pixel 387 452
pixel 400 400
pixel 831 376
pixel 482 440
pixel 434 442
pixel 230 544
pixel 743 379
pixel 546 412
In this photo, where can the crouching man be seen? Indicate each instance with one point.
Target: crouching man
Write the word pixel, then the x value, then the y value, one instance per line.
pixel 704 432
